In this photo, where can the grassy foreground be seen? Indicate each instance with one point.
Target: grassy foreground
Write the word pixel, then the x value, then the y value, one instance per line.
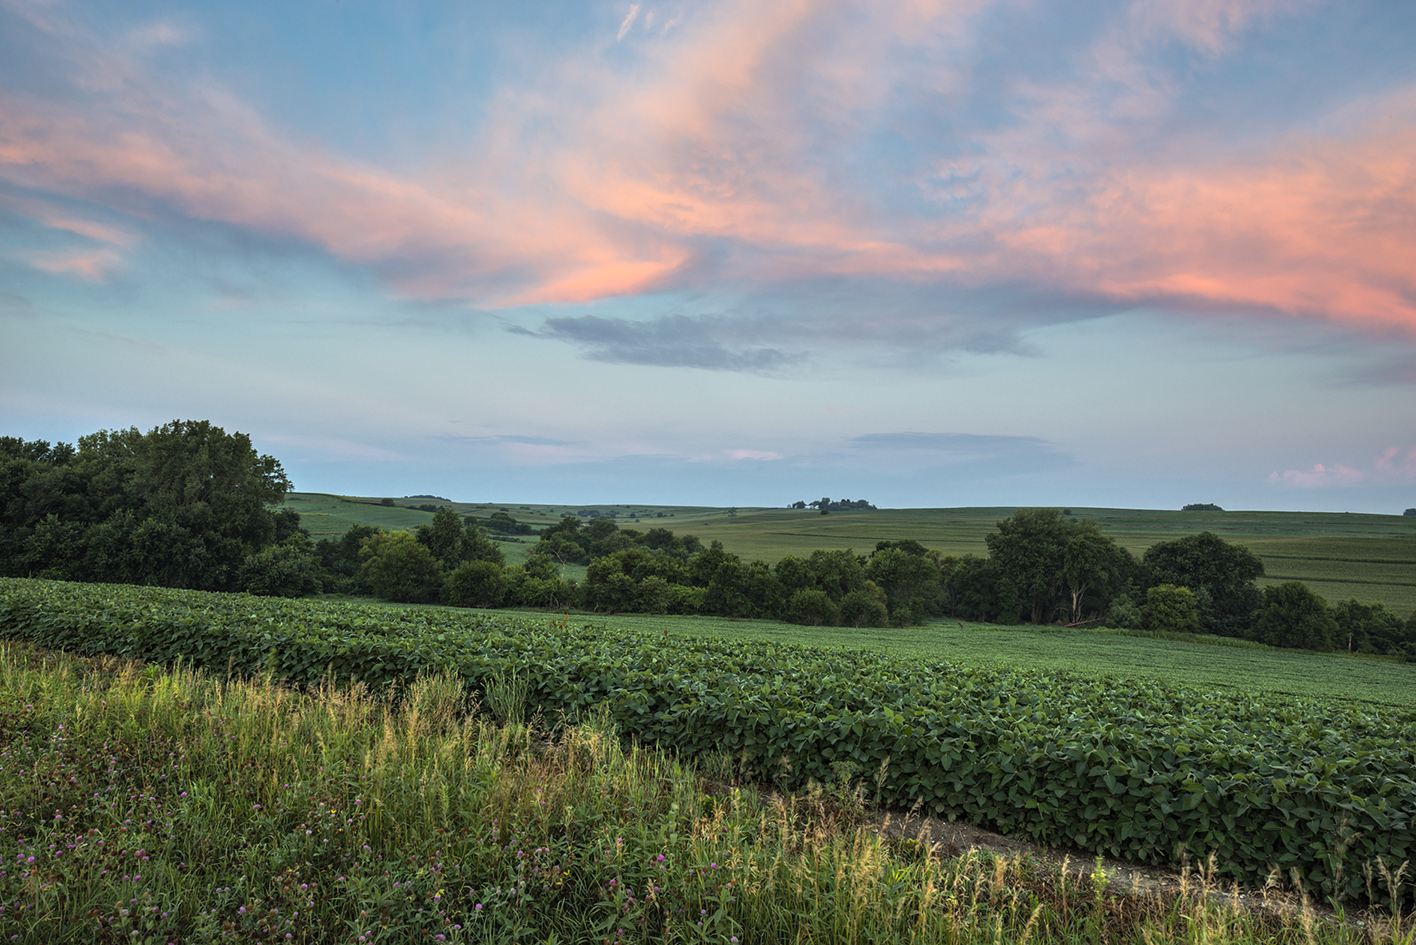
pixel 148 805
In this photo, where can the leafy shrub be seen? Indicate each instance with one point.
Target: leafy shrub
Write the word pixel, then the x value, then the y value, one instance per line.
pixel 285 570
pixel 654 595
pixel 813 608
pixel 400 569
pixel 475 584
pixel 861 609
pixel 1124 614
pixel 1171 608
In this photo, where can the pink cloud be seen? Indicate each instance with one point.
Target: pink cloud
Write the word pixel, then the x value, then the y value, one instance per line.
pixel 1318 476
pixel 89 266
pixel 1393 463
pixel 64 219
pixel 753 454
pixel 1207 25
pixel 1397 462
pixel 717 137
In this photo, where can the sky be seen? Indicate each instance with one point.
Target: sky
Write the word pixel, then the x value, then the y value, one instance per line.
pixel 1124 253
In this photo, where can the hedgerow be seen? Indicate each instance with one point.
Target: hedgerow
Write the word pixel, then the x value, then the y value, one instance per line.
pixel 1322 792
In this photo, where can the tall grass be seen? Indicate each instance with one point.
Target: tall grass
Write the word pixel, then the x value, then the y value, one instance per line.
pixel 142 804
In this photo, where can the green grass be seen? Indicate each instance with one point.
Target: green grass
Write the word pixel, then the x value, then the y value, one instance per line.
pixel 1206 662
pixel 149 805
pixel 1200 661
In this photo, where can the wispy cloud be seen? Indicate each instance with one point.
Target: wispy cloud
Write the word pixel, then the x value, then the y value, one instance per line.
pixel 628 21
pixel 760 146
pixel 1394 464
pixel 59 218
pixel 671 341
pixel 92 266
pixel 332 446
pixel 1320 475
pixel 1398 462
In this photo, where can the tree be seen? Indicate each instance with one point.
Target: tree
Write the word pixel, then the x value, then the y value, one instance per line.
pixel 400 568
pixel 1093 564
pixel 1029 549
pixel 1293 616
pixel 813 608
pixel 451 541
pixel 475 584
pixel 1226 571
pixel 341 561
pixel 653 595
pixel 443 537
pixel 1171 609
pixel 795 574
pixel 183 505
pixel 861 609
pixel 607 588
pixel 766 597
pixel 977 592
pixel 1369 628
pixel 475 546
pixel 837 572
pixel 910 581
pixel 289 569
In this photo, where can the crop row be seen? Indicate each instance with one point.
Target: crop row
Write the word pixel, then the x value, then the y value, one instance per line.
pixel 1321 791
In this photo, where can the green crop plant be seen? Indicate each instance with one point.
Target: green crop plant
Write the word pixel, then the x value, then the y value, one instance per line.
pixel 1146 771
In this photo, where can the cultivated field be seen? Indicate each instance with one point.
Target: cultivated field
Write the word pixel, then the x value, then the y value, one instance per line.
pixel 335 794
pixel 1202 662
pixel 244 812
pixel 1368 557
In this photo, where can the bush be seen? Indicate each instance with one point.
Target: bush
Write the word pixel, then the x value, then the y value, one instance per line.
pixel 475 584
pixel 1293 616
pixel 289 569
pixel 654 595
pixel 687 600
pixel 861 609
pixel 813 608
pixel 400 569
pixel 1171 609
pixel 1124 614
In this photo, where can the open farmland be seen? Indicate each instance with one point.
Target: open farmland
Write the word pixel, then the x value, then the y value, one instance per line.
pixel 580 840
pixel 1151 772
pixel 1207 663
pixel 1368 557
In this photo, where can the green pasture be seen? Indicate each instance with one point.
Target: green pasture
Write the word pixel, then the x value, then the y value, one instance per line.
pixel 1205 662
pixel 1202 662
pixel 1340 555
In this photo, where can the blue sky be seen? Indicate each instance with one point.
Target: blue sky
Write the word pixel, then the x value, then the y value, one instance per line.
pixel 986 252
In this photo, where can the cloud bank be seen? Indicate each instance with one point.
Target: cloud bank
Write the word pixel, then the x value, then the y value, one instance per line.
pixel 775 147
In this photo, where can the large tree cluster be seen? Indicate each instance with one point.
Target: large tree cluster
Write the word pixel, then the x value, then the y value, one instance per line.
pixel 183 505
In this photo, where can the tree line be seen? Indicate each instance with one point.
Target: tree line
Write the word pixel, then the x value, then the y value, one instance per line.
pixel 1042 568
pixel 183 505
pixel 188 505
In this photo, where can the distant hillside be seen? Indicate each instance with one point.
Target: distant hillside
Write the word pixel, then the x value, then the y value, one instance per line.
pixel 1368 557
